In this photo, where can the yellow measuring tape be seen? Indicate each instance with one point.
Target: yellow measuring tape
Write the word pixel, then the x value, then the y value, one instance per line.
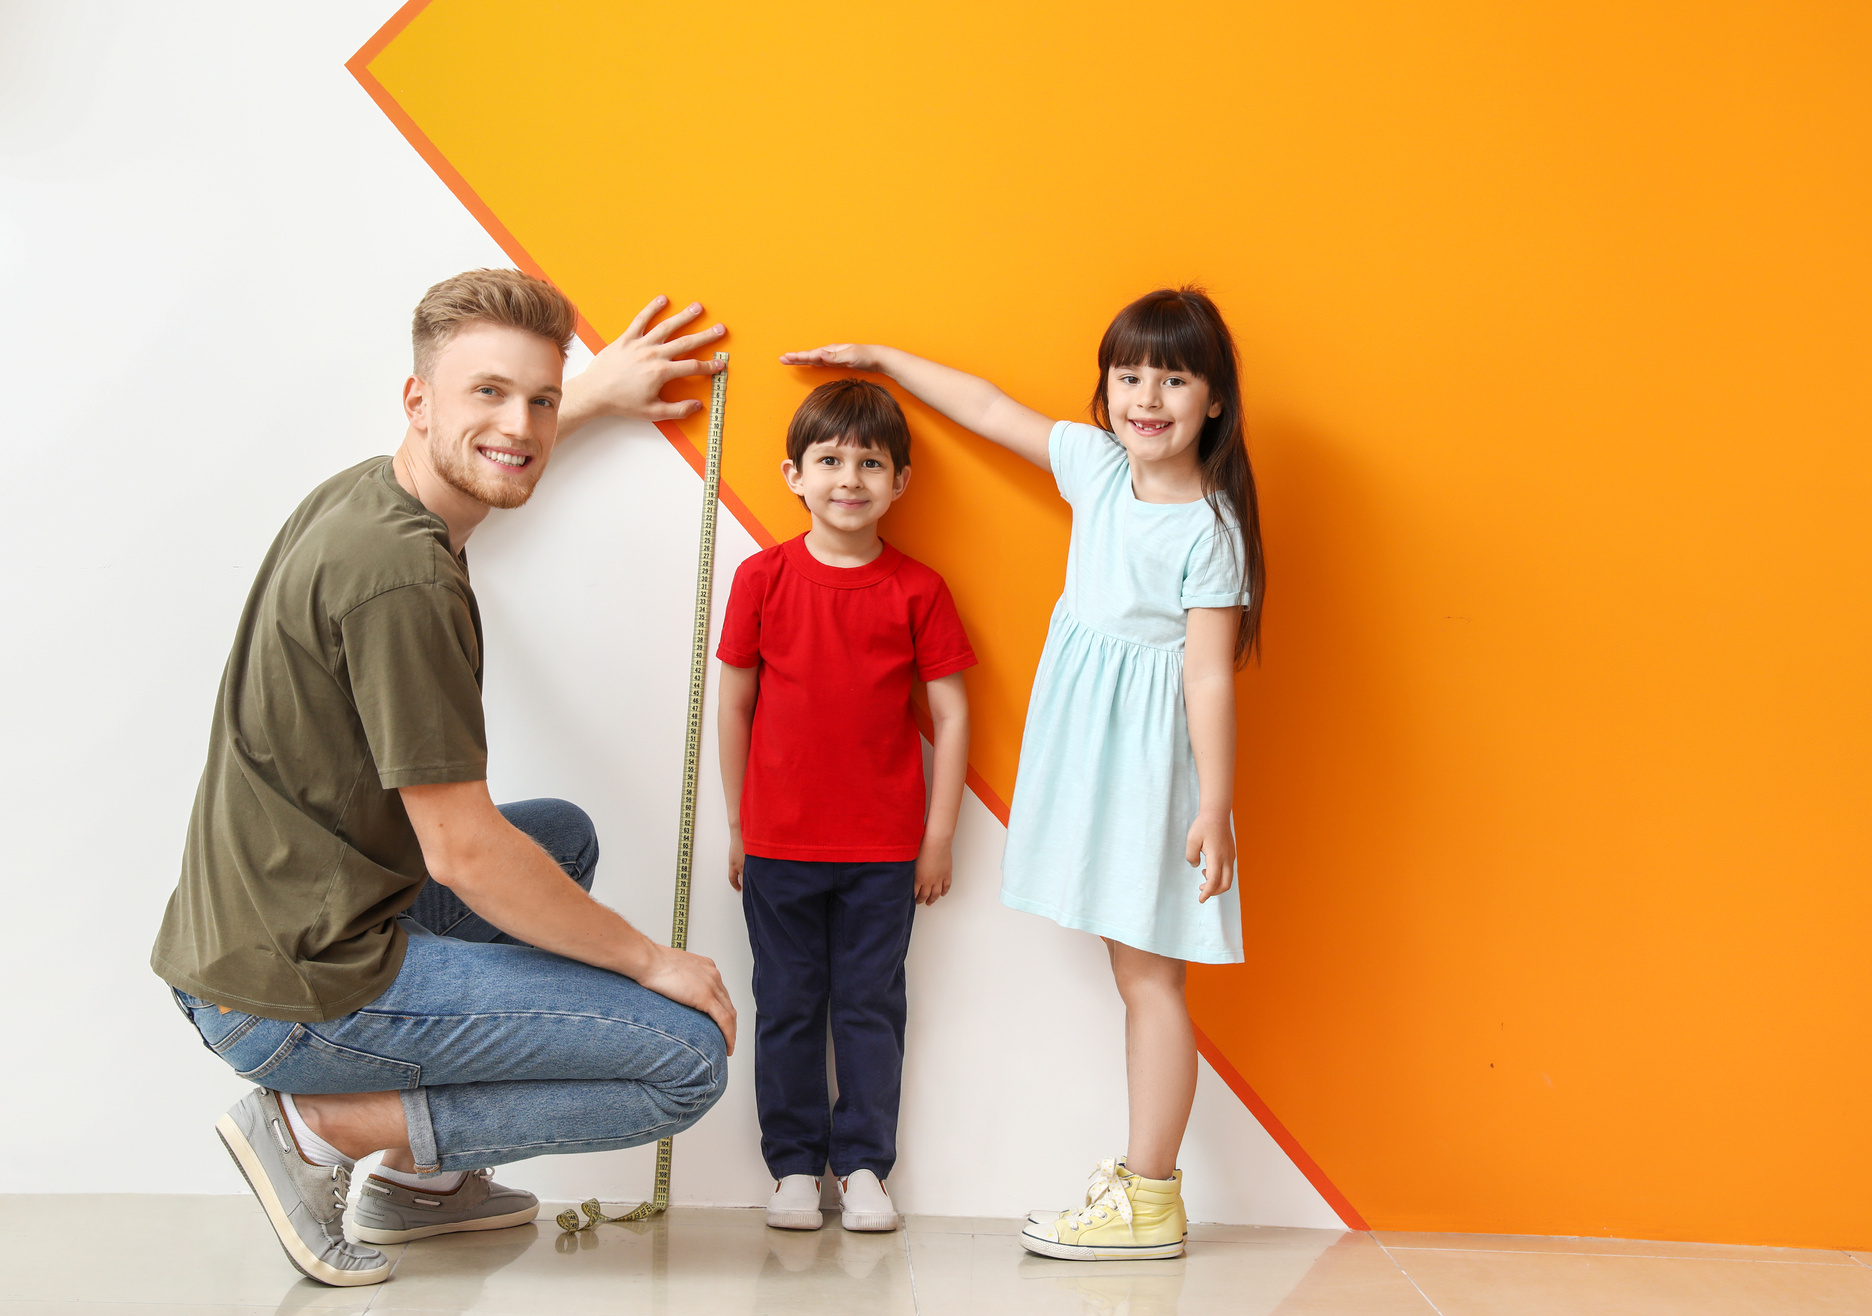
pixel 692 766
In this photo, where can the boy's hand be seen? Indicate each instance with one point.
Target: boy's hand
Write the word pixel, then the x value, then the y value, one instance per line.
pixel 737 857
pixel 935 867
pixel 852 356
pixel 1212 841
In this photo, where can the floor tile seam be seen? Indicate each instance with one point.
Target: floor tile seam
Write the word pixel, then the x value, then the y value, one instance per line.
pixel 1408 1277
pixel 185 1304
pixel 1612 1256
pixel 190 1304
pixel 916 1304
pixel 396 1264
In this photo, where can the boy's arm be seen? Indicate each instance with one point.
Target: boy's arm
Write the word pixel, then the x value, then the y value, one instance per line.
pixel 734 720
pixel 968 400
pixel 948 703
pixel 1209 704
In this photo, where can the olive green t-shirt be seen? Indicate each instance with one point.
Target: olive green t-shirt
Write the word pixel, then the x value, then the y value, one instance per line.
pixel 356 669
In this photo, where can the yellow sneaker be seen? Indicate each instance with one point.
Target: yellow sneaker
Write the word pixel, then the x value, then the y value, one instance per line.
pixel 1126 1216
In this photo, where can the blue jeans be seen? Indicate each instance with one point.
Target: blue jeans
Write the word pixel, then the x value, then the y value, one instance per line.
pixel 828 939
pixel 500 1051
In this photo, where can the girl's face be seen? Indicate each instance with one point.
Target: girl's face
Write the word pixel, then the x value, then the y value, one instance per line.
pixel 1158 414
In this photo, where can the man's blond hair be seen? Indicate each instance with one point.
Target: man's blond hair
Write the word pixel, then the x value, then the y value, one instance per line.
pixel 507 297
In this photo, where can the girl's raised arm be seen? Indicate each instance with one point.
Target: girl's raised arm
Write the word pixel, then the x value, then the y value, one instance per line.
pixel 968 400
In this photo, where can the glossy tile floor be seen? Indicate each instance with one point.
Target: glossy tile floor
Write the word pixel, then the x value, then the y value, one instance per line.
pixel 117 1256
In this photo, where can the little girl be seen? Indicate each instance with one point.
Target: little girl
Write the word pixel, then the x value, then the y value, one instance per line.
pixel 1120 824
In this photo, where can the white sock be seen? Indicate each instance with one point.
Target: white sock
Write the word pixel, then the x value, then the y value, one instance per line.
pixel 446 1182
pixel 314 1148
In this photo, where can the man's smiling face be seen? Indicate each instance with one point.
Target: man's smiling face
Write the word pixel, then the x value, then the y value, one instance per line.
pixel 491 411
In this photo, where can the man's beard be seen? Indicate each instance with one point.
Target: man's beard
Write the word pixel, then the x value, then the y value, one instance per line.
pixel 461 470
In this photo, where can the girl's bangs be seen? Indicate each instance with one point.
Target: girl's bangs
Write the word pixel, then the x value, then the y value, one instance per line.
pixel 1163 334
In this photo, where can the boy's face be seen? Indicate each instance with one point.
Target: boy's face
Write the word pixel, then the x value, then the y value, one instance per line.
pixel 844 487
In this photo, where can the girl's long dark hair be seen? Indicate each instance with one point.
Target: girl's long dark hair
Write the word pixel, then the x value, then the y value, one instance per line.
pixel 1181 329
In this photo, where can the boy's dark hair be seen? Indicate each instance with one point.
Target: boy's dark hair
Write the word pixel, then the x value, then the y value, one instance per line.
pixel 855 412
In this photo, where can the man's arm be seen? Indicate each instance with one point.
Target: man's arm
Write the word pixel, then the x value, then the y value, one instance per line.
pixel 627 377
pixel 734 720
pixel 949 720
pixel 508 880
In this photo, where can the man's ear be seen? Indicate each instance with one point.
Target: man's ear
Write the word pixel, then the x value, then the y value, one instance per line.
pixel 416 403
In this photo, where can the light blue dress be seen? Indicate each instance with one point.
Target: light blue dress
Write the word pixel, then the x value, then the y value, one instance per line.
pixel 1107 788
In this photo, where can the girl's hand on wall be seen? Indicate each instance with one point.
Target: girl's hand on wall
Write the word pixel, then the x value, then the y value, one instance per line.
pixel 850 356
pixel 1212 841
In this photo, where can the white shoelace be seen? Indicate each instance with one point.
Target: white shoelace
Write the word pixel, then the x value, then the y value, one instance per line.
pixel 1106 1189
pixel 341 1184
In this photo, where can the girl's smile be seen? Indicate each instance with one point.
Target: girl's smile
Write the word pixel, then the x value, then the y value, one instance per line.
pixel 1158 415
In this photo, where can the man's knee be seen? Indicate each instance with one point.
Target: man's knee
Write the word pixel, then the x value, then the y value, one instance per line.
pixel 697 1086
pixel 563 830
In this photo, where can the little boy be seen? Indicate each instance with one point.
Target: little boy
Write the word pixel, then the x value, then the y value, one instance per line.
pixel 828 842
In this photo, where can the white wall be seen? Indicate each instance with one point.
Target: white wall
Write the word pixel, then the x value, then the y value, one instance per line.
pixel 210 242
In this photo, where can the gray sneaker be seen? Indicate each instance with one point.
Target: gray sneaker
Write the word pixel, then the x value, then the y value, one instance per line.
pixel 392 1213
pixel 304 1202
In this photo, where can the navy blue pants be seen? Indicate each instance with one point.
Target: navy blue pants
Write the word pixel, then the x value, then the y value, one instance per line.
pixel 828 938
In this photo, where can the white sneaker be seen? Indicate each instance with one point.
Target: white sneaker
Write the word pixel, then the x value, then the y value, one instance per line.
pixel 865 1203
pixel 795 1203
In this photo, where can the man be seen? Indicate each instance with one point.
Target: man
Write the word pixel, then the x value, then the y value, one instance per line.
pixel 402 965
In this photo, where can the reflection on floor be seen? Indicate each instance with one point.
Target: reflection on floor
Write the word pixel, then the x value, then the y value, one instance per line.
pixel 119 1256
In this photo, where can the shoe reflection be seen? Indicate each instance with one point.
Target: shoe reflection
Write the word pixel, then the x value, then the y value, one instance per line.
pixel 1111 1288
pixel 815 1271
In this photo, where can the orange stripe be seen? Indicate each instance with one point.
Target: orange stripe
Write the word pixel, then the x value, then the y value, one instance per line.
pixel 1278 1131
pixel 359 65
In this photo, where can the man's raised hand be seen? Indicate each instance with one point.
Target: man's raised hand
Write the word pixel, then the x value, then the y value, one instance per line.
pixel 627 378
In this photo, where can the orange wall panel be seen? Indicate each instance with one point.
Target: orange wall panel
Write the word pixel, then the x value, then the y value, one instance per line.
pixel 1554 786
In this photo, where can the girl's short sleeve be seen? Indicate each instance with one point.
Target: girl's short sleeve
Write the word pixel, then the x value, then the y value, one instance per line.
pixel 1213 576
pixel 1075 450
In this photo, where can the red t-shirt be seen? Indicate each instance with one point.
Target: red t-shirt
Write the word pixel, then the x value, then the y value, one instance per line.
pixel 835 765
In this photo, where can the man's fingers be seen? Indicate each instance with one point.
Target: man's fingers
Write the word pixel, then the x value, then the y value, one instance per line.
pixel 694 342
pixel 636 326
pixel 672 410
pixel 728 1030
pixel 692 366
pixel 675 322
